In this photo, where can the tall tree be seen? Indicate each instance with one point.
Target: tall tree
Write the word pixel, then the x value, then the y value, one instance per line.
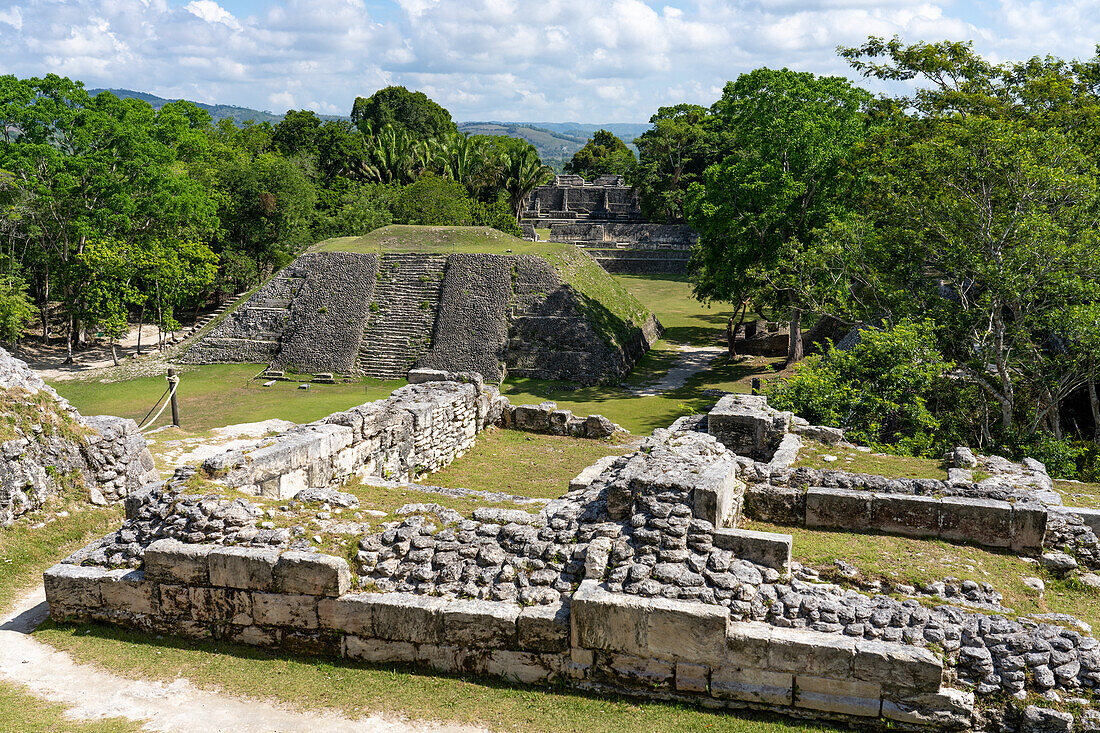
pixel 758 210
pixel 671 156
pixel 410 112
pixel 604 153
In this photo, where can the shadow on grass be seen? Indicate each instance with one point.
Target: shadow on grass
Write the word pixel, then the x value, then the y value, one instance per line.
pixel 489 700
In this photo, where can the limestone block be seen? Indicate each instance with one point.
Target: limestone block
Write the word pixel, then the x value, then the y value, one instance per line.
pixel 684 630
pixel 171 561
pixel 73 586
pixel 752 685
pixel 312 573
pixel 128 591
pixel 480 624
pixel 786 454
pixel 409 617
pixel 901 669
pixel 846 697
pixel 627 669
pixel 1029 526
pixel 286 485
pixel 747 645
pixel 378 650
pixel 769 549
pixel 947 709
pixel 810 652
pixel 252 635
pixel 905 514
pixel 985 521
pixel 602 620
pixel 544 628
pixel 448 658
pixel 838 508
pixel 1090 517
pixel 534 418
pixel 285 609
pixel 522 667
pixel 247 568
pixel 220 605
pixel 312 643
pixel 585 478
pixel 352 614
pixel 692 677
pixel 748 426
pixel 780 504
pixel 559 421
pixel 174 601
pixel 717 494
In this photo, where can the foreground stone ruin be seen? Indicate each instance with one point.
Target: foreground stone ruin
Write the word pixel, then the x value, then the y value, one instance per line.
pixel 52 445
pixel 382 314
pixel 637 580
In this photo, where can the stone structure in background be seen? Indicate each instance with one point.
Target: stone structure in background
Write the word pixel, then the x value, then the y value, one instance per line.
pixel 636 581
pixel 380 315
pixel 51 445
pixel 603 216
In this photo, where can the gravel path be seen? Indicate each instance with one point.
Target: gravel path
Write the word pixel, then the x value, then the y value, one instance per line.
pixel 692 360
pixel 90 693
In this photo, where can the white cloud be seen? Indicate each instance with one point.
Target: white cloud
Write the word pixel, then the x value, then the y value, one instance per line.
pixel 497 59
pixel 211 12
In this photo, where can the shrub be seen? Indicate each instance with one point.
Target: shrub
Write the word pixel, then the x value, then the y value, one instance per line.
pixel 434 201
pixel 878 391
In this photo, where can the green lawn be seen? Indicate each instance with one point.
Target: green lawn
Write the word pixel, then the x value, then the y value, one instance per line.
pixel 880 464
pixel 686 320
pixel 222 394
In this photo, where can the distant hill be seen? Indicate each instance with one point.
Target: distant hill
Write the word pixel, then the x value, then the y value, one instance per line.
pixel 217 111
pixel 554 140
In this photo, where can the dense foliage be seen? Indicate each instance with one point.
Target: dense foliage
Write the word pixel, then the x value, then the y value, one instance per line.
pixel 112 212
pixel 603 154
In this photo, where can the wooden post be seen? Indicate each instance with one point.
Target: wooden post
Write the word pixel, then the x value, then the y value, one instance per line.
pixel 173 381
pixel 756 385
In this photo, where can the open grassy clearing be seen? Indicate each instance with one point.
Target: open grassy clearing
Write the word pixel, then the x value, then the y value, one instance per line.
pixel 215 395
pixel 356 690
pixel 686 320
pixel 438 240
pixel 913 561
pixel 812 456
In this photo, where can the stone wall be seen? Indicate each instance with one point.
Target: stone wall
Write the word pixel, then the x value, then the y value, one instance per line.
pixel 327 315
pixel 471 330
pixel 636 235
pixel 641 261
pixel 51 442
pixel 571 198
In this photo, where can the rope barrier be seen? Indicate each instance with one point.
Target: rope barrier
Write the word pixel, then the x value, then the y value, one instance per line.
pixel 144 419
pixel 173 382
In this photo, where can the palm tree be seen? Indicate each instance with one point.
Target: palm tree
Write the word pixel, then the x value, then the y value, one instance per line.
pixel 523 173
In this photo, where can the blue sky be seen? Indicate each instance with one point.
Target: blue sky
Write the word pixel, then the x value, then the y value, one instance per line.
pixel 533 60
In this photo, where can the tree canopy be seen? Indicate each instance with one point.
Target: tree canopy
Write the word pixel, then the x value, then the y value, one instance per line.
pixel 604 153
pixel 410 112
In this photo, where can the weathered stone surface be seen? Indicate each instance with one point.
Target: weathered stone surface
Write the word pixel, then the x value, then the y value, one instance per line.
pixel 846 697
pixel 1044 720
pixel 128 591
pixel 217 605
pixel 748 426
pixel 947 709
pixel 753 685
pixel 837 508
pixel 352 614
pixel 409 617
pixel 243 567
pixel 902 670
pixel 285 609
pixel 544 627
pixel 914 516
pixel 312 573
pixel 378 650
pixel 692 677
pixel 480 624
pixel 986 521
pixel 809 652
pixel 73 586
pixel 171 561
pixel 770 549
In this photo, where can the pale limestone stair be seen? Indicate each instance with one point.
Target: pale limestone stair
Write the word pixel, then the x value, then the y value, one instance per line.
pixel 399 328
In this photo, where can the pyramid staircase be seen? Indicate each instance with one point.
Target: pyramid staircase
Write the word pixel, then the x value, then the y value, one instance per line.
pixel 403 310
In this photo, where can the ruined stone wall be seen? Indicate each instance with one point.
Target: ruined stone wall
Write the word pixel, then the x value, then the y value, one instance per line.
pixel 327 315
pixel 642 236
pixel 571 198
pixel 52 443
pixel 641 262
pixel 552 334
pixel 471 328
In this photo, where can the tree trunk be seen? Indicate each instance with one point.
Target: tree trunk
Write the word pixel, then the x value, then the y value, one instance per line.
pixel 141 327
pixel 731 330
pixel 46 309
pixel 794 345
pixel 114 351
pixel 1094 403
pixel 69 341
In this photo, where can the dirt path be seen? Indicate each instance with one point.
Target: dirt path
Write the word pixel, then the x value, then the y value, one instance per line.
pixel 692 360
pixel 90 693
pixel 48 361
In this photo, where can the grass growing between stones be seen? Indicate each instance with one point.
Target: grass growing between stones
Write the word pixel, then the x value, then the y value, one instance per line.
pixel 849 459
pixel 357 690
pixel 1078 493
pixel 398 238
pixel 914 561
pixel 215 395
